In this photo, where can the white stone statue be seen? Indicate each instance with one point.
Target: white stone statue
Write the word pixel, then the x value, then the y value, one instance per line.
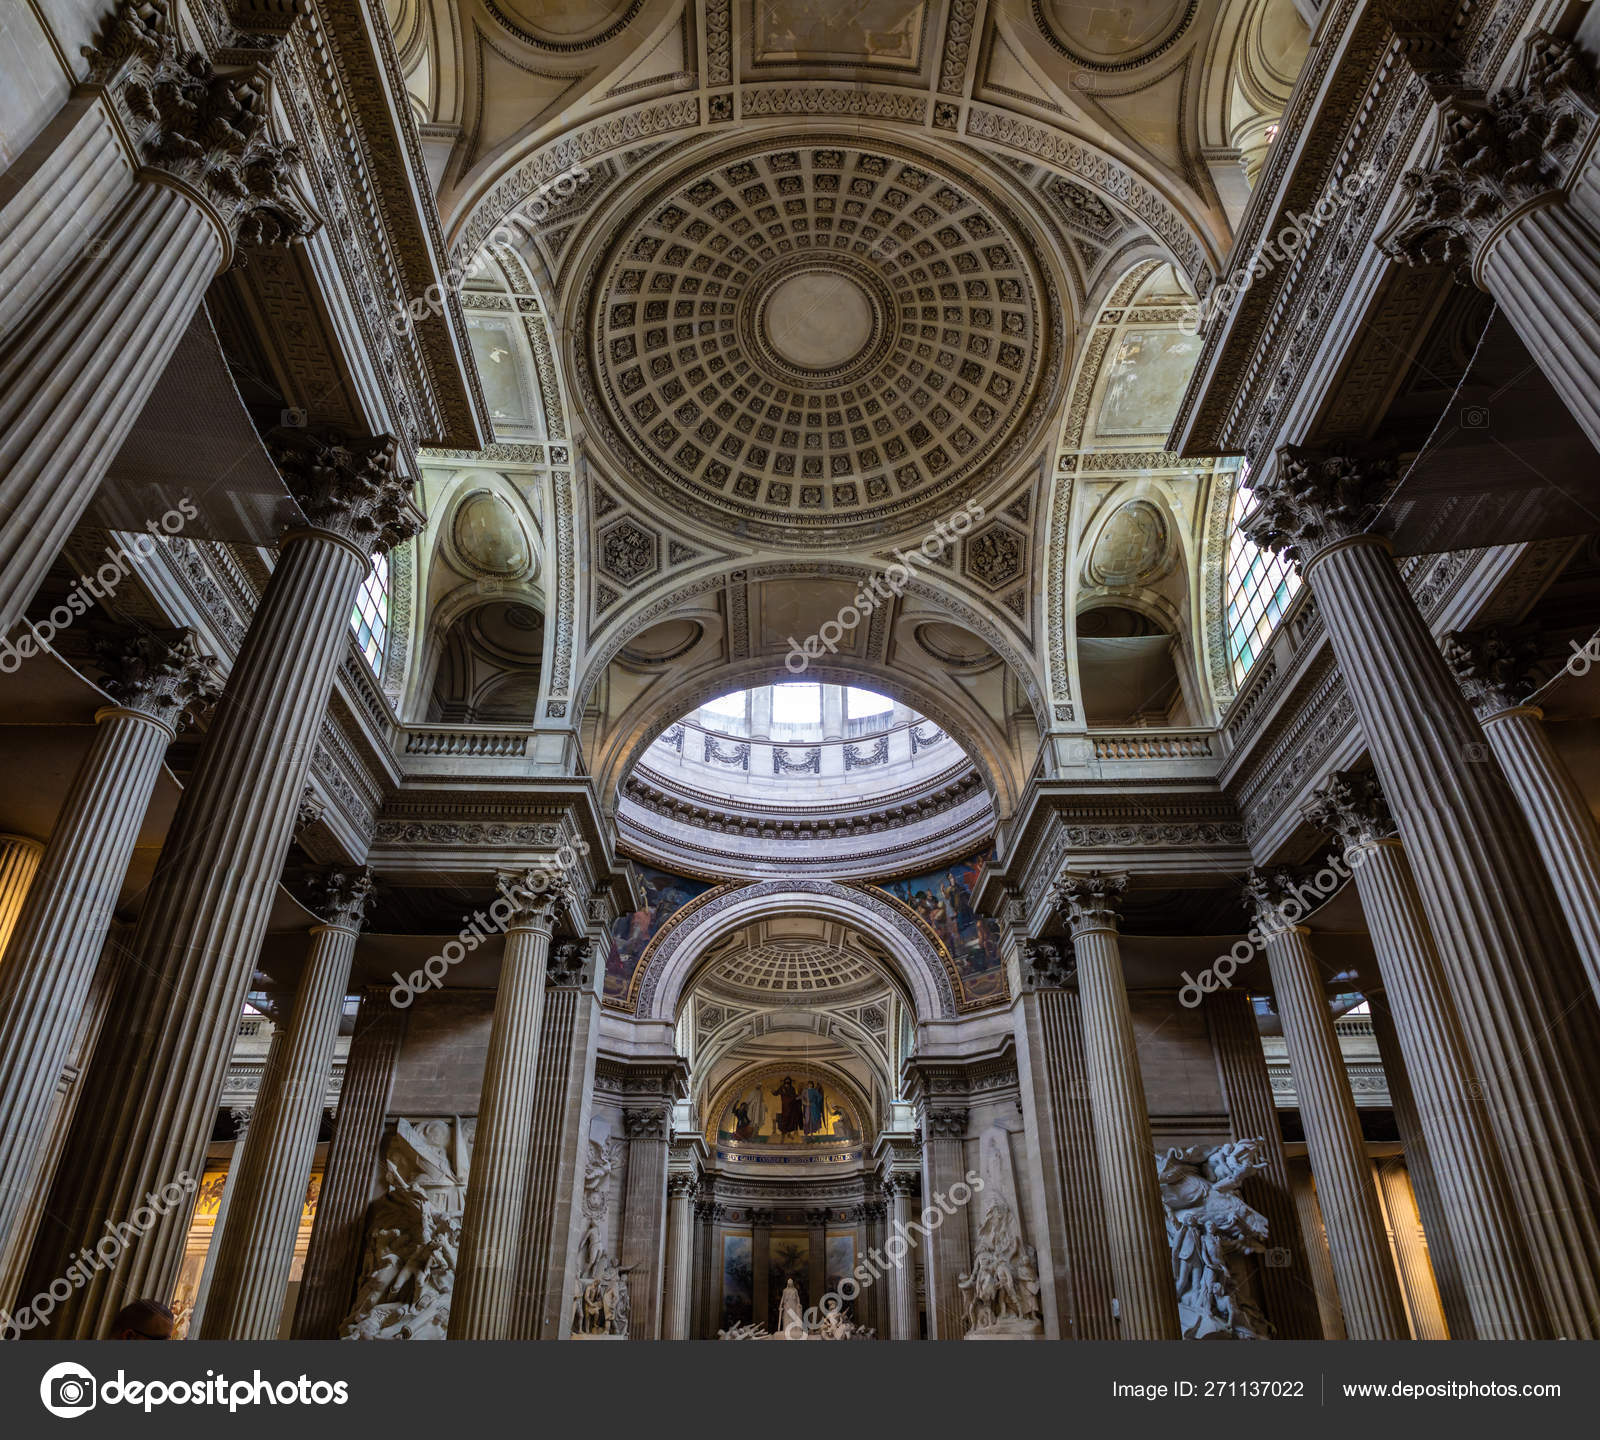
pixel 1000 1295
pixel 600 1296
pixel 414 1236
pixel 791 1314
pixel 1213 1234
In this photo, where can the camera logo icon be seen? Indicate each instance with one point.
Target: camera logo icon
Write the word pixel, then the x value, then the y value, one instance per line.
pixel 68 1390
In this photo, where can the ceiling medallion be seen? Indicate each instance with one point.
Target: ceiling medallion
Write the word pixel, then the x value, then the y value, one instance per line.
pixel 816 338
pixel 1110 39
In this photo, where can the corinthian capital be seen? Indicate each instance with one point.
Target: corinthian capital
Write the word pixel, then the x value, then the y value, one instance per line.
pixel 1314 500
pixel 341 897
pixel 164 676
pixel 1090 900
pixel 1496 154
pixel 351 488
pixel 1277 899
pixel 534 897
pixel 1496 672
pixel 1044 967
pixel 1350 805
pixel 568 965
pixel 206 128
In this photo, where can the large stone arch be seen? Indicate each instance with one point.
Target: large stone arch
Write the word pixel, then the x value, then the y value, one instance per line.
pixel 674 955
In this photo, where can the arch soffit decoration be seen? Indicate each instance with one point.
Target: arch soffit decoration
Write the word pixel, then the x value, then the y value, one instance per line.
pixel 669 962
pixel 850 1034
pixel 757 1071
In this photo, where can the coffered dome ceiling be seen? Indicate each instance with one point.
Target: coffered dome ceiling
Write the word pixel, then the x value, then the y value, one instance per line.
pixel 821 341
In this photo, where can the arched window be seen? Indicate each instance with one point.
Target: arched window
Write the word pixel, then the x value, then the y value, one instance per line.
pixel 1261 584
pixel 370 617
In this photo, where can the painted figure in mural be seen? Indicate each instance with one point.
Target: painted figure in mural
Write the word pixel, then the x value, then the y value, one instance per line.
pixel 791 1119
pixel 957 900
pixel 746 1126
pixel 814 1108
pixel 841 1127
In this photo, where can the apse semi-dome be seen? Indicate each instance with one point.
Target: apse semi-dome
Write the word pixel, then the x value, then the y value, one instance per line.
pixel 815 338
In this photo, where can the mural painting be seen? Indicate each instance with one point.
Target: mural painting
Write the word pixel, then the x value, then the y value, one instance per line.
pixel 943 899
pixel 664 896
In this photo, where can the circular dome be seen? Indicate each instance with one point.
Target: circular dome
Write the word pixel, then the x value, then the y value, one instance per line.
pixel 815 338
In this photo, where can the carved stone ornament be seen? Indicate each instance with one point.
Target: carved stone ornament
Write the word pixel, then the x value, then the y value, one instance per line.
pixel 536 896
pixel 414 1236
pixel 349 487
pixel 651 1124
pixel 1496 671
pixel 568 967
pixel 1278 900
pixel 207 129
pixel 1047 967
pixel 1213 1235
pixel 311 809
pixel 341 896
pixel 1090 900
pixel 164 676
pixel 601 1304
pixel 1497 153
pixel 1350 805
pixel 1312 501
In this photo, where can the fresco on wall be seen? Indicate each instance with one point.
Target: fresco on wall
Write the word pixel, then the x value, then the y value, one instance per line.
pixel 738 1276
pixel 840 1258
pixel 664 896
pixel 794 1108
pixel 943 898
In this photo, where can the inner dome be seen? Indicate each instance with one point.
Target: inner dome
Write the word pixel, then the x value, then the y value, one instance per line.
pixel 821 778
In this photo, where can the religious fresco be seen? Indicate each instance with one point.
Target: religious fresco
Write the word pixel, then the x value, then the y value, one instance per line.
pixel 738 1281
pixel 839 1264
pixel 665 895
pixel 943 899
pixel 795 1108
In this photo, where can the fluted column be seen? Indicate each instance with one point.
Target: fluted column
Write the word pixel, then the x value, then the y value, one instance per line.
pixel 1315 1233
pixel 1485 1233
pixel 207 907
pixel 643 1216
pixel 902 1276
pixel 78 364
pixel 49 969
pixel 1135 1219
pixel 1368 1290
pixel 252 1262
pixel 1410 1251
pixel 19 862
pixel 483 1302
pixel 333 1258
pixel 948 1253
pixel 1496 674
pixel 1057 1111
pixel 1505 203
pixel 699 1262
pixel 680 1247
pixel 1286 1284
pixel 553 1220
pixel 761 1265
pixel 1528 1013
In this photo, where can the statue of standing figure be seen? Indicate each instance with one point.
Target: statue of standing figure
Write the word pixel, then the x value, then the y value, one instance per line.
pixel 1213 1235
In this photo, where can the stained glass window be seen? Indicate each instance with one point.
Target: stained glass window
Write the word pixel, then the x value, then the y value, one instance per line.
pixel 370 617
pixel 1260 586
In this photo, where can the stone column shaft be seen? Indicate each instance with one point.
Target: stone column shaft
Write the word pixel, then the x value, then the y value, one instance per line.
pixel 1484 1236
pixel 50 968
pixel 644 1216
pixel 1410 1252
pixel 1526 1007
pixel 483 1301
pixel 256 1251
pixel 19 862
pixel 153 1091
pixel 948 1250
pixel 552 1215
pixel 1315 1234
pixel 1559 816
pixel 76 373
pixel 1369 1293
pixel 333 1259
pixel 902 1281
pixel 680 1245
pixel 1288 1291
pixel 1141 1259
